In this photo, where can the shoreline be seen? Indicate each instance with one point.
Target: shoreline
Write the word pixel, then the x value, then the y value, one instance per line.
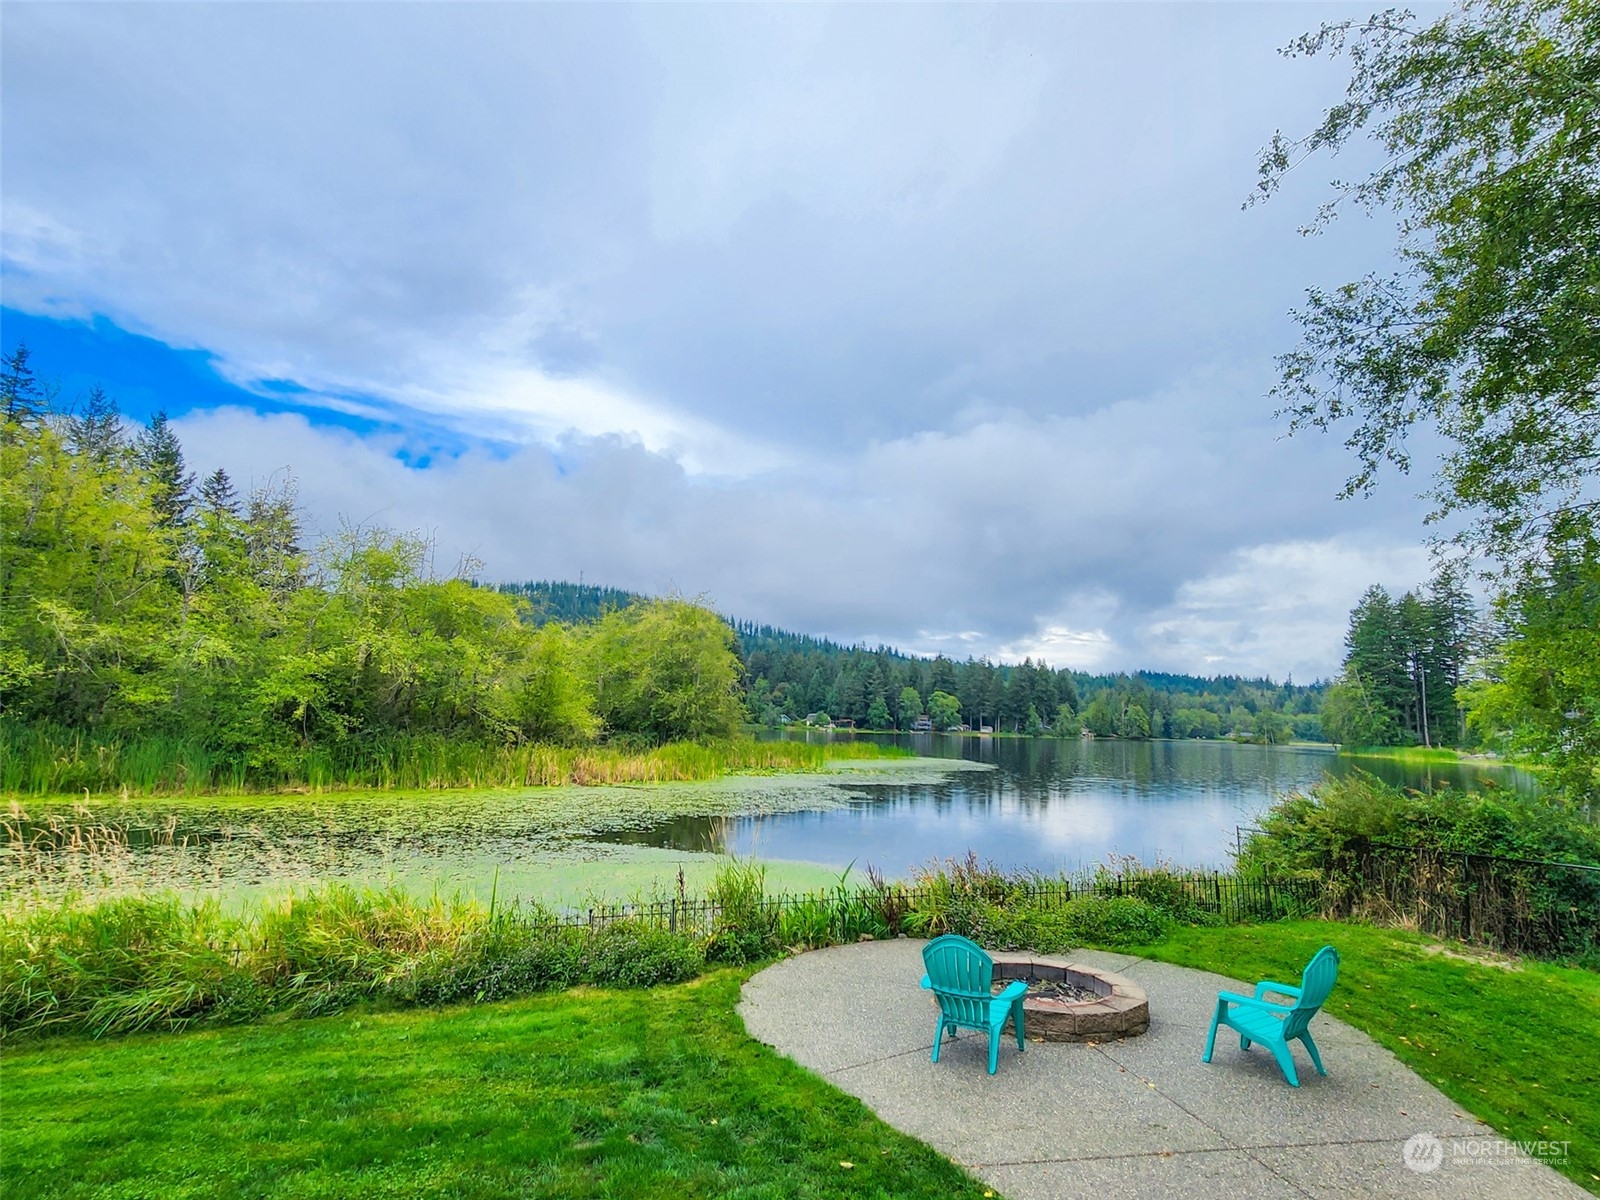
pixel 517 769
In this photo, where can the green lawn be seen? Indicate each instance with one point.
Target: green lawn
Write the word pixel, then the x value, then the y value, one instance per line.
pixel 1518 1048
pixel 631 1094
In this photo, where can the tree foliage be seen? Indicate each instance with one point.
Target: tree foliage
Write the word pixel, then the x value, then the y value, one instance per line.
pixel 130 604
pixel 1538 693
pixel 1489 329
pixel 789 676
pixel 1486 334
pixel 1404 661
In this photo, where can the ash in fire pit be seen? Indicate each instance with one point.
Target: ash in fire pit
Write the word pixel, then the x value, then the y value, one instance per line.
pixel 1054 989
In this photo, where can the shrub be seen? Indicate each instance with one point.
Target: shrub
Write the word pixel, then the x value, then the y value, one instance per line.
pixel 1171 895
pixel 1444 861
pixel 1113 920
pixel 628 954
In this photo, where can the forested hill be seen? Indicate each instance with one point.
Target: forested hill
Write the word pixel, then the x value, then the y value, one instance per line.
pixel 551 600
pixel 790 676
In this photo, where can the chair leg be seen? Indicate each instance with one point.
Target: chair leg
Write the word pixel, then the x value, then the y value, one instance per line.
pixel 1244 1042
pixel 994 1051
pixel 1211 1038
pixel 938 1037
pixel 1311 1049
pixel 1280 1051
pixel 1016 1022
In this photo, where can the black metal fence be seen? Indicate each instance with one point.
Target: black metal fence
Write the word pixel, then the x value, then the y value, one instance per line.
pixel 1531 906
pixel 1522 906
pixel 1225 898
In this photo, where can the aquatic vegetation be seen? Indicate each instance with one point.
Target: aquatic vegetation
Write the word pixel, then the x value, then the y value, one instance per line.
pixel 46 760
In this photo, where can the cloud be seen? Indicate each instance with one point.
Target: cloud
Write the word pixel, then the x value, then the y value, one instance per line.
pixel 934 325
pixel 799 226
pixel 1068 539
pixel 1272 609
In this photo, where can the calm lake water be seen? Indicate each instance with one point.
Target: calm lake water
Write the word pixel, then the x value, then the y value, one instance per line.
pixel 1052 804
pixel 1038 803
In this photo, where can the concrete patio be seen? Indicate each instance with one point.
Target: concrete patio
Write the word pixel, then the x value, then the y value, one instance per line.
pixel 1140 1117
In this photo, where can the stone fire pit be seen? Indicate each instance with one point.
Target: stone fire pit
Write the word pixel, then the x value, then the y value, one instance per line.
pixel 1068 1002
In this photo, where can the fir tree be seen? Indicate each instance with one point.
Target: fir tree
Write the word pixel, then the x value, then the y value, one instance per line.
pixel 21 397
pixel 161 457
pixel 96 431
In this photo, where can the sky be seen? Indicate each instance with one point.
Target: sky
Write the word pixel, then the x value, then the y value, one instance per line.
pixel 937 326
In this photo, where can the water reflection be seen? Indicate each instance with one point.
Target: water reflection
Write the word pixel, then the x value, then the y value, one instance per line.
pixel 1052 805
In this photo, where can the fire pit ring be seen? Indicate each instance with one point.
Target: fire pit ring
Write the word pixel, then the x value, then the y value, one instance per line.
pixel 1113 1005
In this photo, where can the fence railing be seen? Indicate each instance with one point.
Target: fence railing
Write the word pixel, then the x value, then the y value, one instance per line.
pixel 1227 897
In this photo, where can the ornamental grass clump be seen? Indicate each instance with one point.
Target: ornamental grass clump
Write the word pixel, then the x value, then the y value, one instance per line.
pixel 125 964
pixel 745 928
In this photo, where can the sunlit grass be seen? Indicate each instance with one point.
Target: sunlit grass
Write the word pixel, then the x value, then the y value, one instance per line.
pixel 1512 1042
pixel 1404 754
pixel 588 1093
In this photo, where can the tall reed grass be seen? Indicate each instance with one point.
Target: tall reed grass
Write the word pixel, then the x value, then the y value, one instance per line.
pixel 161 962
pixel 157 961
pixel 45 760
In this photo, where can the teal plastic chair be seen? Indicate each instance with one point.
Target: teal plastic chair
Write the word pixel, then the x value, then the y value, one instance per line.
pixel 1257 1019
pixel 961 975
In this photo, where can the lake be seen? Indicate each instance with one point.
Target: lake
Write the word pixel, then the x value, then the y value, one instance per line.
pixel 1042 804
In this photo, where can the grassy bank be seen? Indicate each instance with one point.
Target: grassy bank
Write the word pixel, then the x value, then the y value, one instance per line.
pixel 1512 1042
pixel 589 1093
pixel 1416 755
pixel 48 761
pixel 130 963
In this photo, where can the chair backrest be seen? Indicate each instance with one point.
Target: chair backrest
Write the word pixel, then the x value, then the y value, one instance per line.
pixel 962 976
pixel 1316 981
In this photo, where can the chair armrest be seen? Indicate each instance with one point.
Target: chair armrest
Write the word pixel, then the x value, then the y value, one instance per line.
pixel 1015 990
pixel 1283 989
pixel 1252 1001
pixel 927 984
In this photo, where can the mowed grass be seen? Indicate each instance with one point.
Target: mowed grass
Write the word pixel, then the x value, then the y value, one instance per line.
pixel 648 1093
pixel 1516 1044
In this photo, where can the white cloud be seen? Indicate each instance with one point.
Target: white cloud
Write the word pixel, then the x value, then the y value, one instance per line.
pixel 1276 609
pixel 932 543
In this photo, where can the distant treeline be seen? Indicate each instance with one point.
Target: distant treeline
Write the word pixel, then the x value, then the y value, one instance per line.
pixel 789 677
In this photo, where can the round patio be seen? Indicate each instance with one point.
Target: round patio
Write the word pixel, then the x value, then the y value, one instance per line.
pixel 1135 1117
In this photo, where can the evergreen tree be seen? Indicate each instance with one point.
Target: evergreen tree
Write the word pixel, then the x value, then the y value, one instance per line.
pixel 1379 656
pixel 1452 618
pixel 217 495
pixel 95 432
pixel 161 457
pixel 21 398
